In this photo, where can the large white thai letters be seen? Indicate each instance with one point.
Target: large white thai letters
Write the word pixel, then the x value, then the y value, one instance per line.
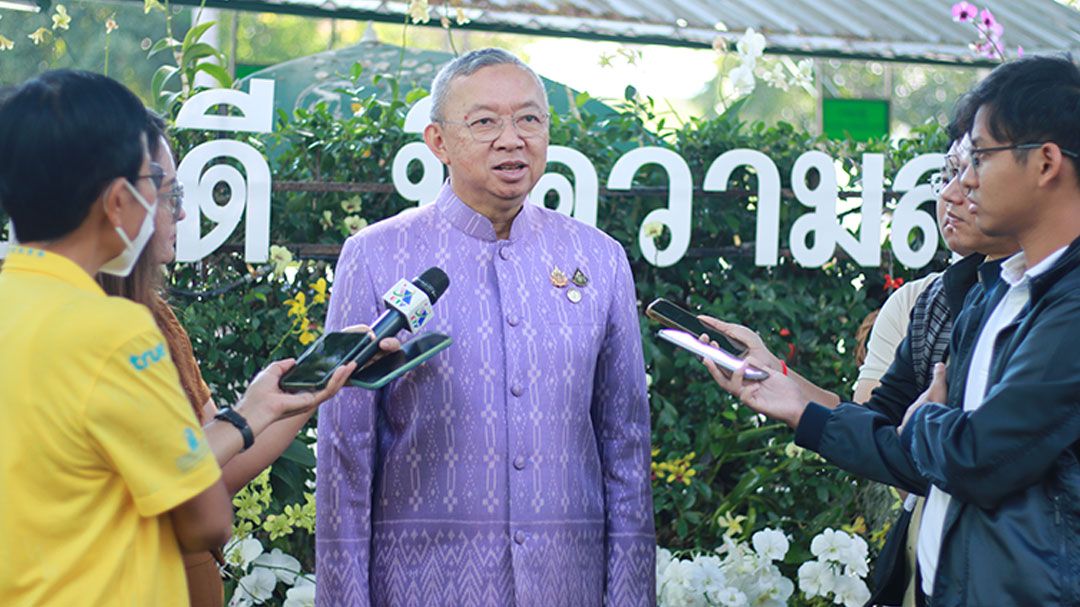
pixel 427 188
pixel 577 199
pixel 768 197
pixel 814 237
pixel 823 223
pixel 234 163
pixel 908 217
pixel 680 201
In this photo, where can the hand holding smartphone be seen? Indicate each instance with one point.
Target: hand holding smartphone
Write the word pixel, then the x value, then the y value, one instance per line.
pixel 317 364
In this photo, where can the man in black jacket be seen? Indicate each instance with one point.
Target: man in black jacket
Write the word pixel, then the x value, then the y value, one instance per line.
pixel 1000 448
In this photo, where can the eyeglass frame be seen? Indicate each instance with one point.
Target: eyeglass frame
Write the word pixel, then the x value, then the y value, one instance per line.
pixel 949 172
pixel 156 176
pixel 175 198
pixel 544 119
pixel 971 153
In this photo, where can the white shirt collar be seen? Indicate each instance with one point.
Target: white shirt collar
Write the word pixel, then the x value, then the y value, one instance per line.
pixel 1014 270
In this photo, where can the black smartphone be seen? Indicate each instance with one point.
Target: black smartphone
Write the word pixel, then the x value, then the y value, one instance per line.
pixel 317 364
pixel 672 315
pixel 412 354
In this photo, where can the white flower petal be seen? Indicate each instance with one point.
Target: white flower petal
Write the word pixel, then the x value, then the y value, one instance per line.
pixel 257 586
pixel 283 566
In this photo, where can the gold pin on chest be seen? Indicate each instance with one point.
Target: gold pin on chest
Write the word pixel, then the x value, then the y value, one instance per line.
pixel 558 278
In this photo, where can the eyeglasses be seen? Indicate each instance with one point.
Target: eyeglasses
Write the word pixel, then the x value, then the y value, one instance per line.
pixel 156 176
pixel 941 180
pixel 486 129
pixel 174 201
pixel 974 153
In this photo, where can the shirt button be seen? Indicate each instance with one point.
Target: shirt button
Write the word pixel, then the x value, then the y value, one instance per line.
pixel 517 390
pixel 519 462
pixel 513 320
pixel 504 253
pixel 519 537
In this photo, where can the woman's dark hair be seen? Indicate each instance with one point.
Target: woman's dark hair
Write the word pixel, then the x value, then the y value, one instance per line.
pixel 145 283
pixel 1032 100
pixel 64 136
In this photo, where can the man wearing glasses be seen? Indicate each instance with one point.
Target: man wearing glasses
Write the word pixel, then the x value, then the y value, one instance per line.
pixel 512 469
pixel 998 441
pixel 839 430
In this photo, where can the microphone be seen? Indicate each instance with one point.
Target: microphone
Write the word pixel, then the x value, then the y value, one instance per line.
pixel 408 306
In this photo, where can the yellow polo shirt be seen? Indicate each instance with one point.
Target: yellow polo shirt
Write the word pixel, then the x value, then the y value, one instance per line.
pixel 97 444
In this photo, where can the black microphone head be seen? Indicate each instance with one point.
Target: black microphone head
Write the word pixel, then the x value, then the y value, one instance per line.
pixel 433 282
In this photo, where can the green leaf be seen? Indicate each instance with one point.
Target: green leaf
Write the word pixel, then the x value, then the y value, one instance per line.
pixel 162 45
pixel 630 93
pixel 299 452
pixel 581 99
pixel 198 51
pixel 216 72
pixel 415 95
pixel 160 79
pixel 195 33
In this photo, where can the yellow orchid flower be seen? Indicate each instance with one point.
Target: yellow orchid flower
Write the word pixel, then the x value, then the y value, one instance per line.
pixel 61 20
pixel 319 286
pixel 39 36
pixel 732 524
pixel 297 305
pixel 6 44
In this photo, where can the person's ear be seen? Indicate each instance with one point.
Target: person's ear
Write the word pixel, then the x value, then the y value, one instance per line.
pixel 113 198
pixel 435 138
pixel 1049 159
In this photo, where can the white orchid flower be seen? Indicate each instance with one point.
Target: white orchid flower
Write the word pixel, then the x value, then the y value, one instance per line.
pixel 751 45
pixel 243 552
pixel 283 566
pixel 256 587
pixel 831 545
pixel 301 595
pixel 770 544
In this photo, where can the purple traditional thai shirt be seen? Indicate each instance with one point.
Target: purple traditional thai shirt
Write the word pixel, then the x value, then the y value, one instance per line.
pixel 513 467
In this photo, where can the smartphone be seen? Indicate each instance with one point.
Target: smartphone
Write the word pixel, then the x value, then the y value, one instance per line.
pixel 412 354
pixel 723 359
pixel 317 364
pixel 669 314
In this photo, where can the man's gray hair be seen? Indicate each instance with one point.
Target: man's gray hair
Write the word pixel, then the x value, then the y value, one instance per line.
pixel 467 65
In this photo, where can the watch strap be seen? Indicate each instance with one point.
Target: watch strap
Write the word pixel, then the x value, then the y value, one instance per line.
pixel 230 415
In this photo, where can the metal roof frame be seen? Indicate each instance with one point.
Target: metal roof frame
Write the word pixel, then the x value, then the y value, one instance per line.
pixel 912 31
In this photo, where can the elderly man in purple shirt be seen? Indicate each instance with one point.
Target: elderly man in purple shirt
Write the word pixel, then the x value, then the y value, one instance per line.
pixel 513 468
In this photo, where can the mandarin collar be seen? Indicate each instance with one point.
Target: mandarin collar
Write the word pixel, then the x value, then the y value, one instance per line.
pixel 37 261
pixel 472 223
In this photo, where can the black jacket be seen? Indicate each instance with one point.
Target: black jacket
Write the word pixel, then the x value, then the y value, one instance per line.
pixel 1012 530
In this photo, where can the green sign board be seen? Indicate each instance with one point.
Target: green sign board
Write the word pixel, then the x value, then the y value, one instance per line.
pixel 244 70
pixel 857 119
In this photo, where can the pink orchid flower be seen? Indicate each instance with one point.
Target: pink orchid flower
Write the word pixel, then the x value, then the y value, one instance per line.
pixel 964 11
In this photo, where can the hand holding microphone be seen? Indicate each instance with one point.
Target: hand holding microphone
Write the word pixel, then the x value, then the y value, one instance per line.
pixel 408 306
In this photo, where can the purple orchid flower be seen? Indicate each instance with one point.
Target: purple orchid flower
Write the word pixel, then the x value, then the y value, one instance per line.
pixel 963 12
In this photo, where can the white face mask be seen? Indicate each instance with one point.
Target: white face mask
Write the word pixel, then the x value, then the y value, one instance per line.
pixel 122 264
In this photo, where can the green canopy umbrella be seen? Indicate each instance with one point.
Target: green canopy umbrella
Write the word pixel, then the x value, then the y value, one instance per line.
pixel 303 82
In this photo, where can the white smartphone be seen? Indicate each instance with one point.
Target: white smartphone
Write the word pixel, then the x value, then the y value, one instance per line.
pixel 723 359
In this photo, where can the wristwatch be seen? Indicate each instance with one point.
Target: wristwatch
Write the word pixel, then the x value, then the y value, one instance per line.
pixel 229 415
